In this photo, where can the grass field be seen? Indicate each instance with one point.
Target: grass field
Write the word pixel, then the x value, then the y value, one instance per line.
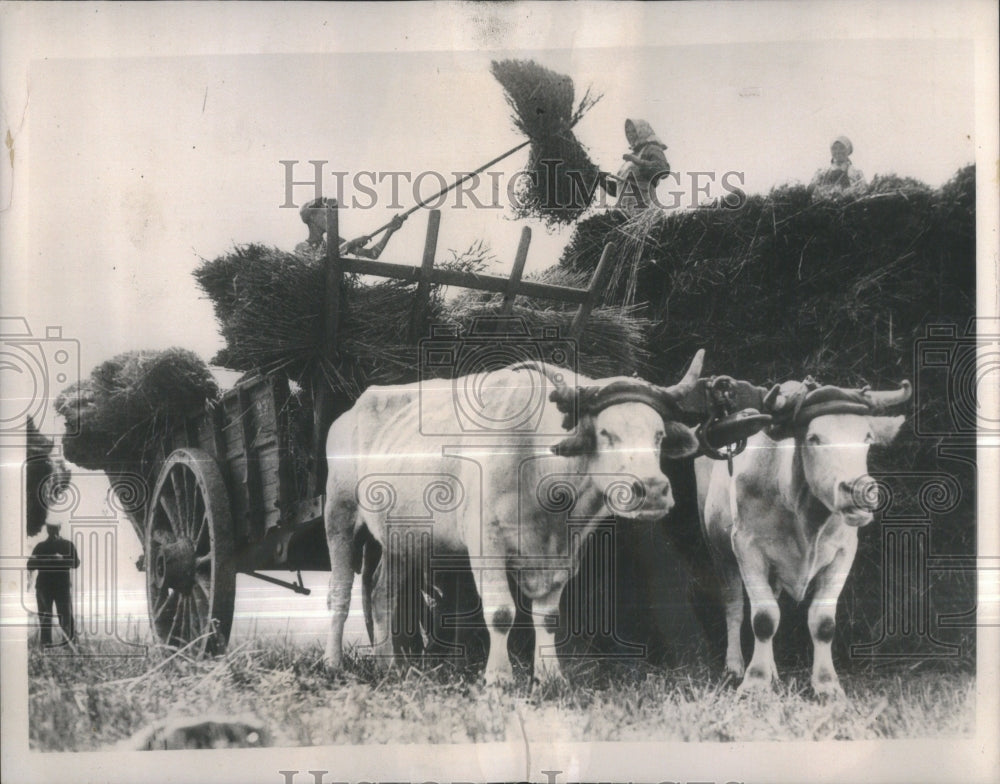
pixel 99 699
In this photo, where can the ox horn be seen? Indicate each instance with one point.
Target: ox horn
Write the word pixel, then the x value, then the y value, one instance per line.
pixel 881 401
pixel 687 393
pixel 563 395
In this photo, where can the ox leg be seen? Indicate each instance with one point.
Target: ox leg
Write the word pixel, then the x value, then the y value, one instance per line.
pixel 545 617
pixel 732 596
pixel 341 541
pixel 499 610
pixel 764 614
pixel 822 619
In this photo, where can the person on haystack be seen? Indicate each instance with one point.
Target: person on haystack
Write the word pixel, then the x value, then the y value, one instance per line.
pixel 53 558
pixel 313 214
pixel 645 165
pixel 840 177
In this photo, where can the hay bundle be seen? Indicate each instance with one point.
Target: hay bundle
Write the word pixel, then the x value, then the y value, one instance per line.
pixel 559 173
pixel 128 402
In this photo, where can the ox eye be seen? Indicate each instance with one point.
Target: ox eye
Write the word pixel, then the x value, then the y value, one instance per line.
pixel 813 439
pixel 869 438
pixel 606 436
pixel 657 436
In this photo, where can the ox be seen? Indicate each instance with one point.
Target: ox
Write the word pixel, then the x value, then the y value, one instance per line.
pixel 789 516
pixel 504 499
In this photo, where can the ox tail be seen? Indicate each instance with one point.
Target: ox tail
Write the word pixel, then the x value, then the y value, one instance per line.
pixel 371 554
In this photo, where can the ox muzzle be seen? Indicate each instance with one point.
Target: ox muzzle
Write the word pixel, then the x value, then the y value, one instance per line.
pixel 640 499
pixel 857 500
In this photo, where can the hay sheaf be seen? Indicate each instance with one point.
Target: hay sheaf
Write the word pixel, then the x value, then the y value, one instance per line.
pixel 128 402
pixel 560 173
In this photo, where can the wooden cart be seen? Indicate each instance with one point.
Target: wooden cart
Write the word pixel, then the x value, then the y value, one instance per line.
pixel 228 495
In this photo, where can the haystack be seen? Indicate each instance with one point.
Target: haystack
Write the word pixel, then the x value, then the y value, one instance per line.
pixel 788 286
pixel 128 402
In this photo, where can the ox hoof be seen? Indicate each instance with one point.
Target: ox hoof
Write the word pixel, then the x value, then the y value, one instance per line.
pixel 734 670
pixel 756 681
pixel 499 676
pixel 826 686
pixel 333 662
pixel 548 673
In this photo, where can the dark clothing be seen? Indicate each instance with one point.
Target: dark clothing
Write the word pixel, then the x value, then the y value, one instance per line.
pixel 63 601
pixel 53 559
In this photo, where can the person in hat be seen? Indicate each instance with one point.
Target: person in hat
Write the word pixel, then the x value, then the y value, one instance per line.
pixel 313 214
pixel 645 165
pixel 53 559
pixel 840 177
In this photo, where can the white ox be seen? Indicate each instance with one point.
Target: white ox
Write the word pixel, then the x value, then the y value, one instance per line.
pixel 789 517
pixel 503 495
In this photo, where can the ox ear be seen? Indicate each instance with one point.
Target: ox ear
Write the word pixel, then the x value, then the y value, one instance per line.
pixel 582 442
pixel 679 441
pixel 885 429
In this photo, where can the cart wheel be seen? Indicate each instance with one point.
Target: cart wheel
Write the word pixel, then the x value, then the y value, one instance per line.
pixel 190 574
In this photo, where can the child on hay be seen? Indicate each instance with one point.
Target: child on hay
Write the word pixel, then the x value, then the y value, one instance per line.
pixel 313 214
pixel 840 178
pixel 645 166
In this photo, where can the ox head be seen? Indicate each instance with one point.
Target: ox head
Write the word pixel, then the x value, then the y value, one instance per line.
pixel 621 428
pixel 834 429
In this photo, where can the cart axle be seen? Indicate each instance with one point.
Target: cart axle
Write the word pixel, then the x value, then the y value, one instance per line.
pixel 297 587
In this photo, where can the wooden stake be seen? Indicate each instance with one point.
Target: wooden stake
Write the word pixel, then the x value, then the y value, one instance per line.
pixel 595 294
pixel 423 292
pixel 515 274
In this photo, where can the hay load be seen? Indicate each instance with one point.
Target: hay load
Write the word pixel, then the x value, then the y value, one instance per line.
pixel 128 402
pixel 559 167
pixel 788 285
pixel 270 304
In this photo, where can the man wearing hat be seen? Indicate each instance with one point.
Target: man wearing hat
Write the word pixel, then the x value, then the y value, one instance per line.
pixel 841 176
pixel 52 559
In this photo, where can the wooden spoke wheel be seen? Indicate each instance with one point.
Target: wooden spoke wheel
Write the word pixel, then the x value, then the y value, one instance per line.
pixel 190 572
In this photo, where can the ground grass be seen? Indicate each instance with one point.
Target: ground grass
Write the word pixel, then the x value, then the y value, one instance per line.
pixel 101 697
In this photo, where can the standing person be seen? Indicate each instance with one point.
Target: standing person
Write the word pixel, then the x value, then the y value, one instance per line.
pixel 645 165
pixel 53 559
pixel 313 214
pixel 840 177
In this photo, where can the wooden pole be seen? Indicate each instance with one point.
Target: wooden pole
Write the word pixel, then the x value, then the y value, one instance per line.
pixel 322 392
pixel 455 184
pixel 515 274
pixel 422 295
pixel 334 278
pixel 595 294
pixel 466 280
